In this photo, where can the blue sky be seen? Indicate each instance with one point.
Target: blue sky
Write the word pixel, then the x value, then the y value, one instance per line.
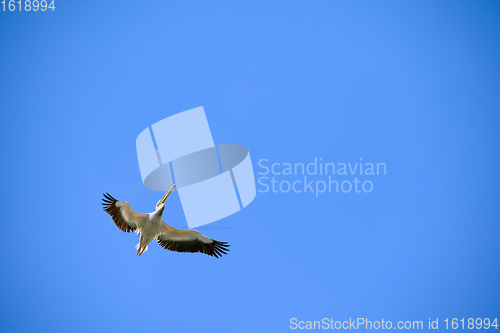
pixel 414 85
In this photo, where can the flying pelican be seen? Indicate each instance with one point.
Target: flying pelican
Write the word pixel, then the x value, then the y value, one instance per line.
pixel 151 226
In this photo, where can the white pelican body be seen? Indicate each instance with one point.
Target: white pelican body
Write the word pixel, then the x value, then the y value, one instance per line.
pixel 151 226
pixel 150 229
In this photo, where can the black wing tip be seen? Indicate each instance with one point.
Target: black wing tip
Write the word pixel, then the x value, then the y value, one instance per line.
pixel 108 202
pixel 215 249
pixel 219 248
pixel 108 197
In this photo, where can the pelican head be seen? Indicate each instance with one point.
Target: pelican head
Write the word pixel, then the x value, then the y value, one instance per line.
pixel 160 204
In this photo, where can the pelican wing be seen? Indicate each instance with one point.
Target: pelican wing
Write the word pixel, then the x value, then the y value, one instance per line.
pixel 189 241
pixel 125 218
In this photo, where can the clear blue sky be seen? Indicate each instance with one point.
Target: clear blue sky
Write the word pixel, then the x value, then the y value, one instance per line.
pixel 412 84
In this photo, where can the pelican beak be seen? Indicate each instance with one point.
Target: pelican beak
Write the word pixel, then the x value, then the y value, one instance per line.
pixel 162 200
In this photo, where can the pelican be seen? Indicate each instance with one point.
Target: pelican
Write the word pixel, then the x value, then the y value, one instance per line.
pixel 151 226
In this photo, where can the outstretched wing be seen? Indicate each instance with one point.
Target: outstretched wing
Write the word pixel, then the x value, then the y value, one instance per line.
pixel 189 241
pixel 125 218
